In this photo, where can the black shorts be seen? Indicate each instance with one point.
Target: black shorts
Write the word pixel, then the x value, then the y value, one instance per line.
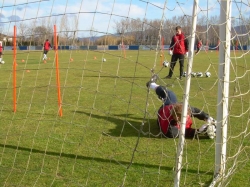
pixel 1 53
pixel 45 51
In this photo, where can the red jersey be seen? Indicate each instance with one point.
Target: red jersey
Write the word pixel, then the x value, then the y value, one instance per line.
pixel 165 119
pixel 1 48
pixel 47 45
pixel 199 44
pixel 179 44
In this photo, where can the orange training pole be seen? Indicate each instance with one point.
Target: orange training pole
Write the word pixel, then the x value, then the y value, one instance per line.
pixel 57 73
pixel 14 70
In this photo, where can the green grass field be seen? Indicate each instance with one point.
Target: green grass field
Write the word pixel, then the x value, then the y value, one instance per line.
pixel 108 134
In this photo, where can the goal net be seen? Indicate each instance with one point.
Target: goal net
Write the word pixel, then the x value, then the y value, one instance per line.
pixel 76 110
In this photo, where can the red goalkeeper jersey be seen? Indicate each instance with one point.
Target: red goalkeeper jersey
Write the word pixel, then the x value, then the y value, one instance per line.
pixel 165 119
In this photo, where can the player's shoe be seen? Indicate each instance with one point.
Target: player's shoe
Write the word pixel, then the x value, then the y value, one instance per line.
pixel 208 130
pixel 168 77
pixel 211 131
pixel 202 129
pixel 153 79
pixel 180 78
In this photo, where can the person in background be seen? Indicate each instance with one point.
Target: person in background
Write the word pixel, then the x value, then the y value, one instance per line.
pixel 178 50
pixel 198 46
pixel 46 48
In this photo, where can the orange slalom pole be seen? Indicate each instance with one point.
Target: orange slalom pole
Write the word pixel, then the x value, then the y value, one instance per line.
pixel 14 70
pixel 57 73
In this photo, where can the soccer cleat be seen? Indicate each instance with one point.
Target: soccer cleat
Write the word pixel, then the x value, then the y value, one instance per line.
pixel 208 130
pixel 168 77
pixel 211 131
pixel 202 129
pixel 153 79
pixel 211 121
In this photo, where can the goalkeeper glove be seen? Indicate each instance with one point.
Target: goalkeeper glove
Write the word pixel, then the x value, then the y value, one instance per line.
pixel 170 52
pixel 186 55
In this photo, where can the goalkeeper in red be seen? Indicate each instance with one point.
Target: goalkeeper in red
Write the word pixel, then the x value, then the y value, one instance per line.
pixel 178 50
pixel 169 115
pixel 46 48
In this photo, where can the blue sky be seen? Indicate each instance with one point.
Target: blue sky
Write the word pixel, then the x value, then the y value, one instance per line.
pixel 108 10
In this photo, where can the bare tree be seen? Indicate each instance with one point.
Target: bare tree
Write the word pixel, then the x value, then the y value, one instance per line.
pixel 24 32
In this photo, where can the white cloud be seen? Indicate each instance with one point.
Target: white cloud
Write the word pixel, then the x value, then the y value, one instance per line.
pixel 100 14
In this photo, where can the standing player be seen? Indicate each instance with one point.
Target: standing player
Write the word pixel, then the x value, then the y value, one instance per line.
pixel 1 51
pixel 46 48
pixel 198 46
pixel 178 50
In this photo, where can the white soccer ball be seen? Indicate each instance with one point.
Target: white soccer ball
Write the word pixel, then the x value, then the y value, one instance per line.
pixel 104 59
pixel 199 74
pixel 2 62
pixel 193 74
pixel 165 64
pixel 208 74
pixel 184 74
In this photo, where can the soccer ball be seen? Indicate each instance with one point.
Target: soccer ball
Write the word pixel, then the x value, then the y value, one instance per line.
pixel 2 62
pixel 193 74
pixel 104 59
pixel 165 64
pixel 208 74
pixel 184 74
pixel 199 74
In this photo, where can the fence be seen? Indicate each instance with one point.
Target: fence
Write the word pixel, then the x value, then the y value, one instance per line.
pixel 114 47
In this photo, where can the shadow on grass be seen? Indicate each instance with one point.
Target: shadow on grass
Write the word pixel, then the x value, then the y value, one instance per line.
pixel 127 126
pixel 73 156
pixel 122 77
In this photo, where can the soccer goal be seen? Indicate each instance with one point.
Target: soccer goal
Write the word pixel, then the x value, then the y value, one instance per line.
pixel 76 108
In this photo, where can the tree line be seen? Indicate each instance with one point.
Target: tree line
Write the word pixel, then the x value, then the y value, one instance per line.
pixel 129 31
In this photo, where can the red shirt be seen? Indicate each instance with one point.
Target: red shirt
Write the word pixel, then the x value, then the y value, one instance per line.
pixel 165 118
pixel 47 45
pixel 199 44
pixel 1 48
pixel 179 44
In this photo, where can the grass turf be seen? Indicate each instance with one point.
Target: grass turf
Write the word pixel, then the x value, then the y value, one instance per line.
pixel 108 135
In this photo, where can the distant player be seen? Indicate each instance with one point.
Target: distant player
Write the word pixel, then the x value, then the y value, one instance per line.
pixel 46 48
pixel 198 46
pixel 1 51
pixel 178 50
